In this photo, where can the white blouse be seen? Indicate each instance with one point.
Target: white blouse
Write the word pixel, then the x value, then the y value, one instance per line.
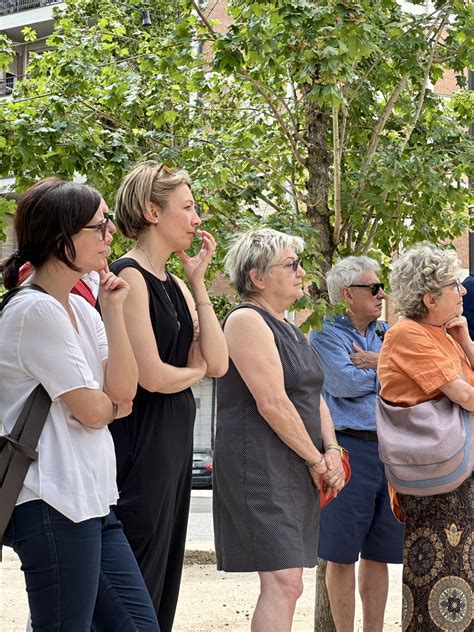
pixel 75 471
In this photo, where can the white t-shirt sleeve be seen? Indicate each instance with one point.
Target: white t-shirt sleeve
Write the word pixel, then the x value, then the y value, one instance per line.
pixel 101 337
pixel 49 350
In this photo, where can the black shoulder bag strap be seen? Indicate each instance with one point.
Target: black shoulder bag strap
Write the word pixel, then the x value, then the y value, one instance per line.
pixel 18 448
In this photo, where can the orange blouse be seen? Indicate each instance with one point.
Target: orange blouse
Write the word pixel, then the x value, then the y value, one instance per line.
pixel 416 359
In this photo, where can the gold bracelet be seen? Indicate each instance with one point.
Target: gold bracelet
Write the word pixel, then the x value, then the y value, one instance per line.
pixel 315 464
pixel 335 446
pixel 196 305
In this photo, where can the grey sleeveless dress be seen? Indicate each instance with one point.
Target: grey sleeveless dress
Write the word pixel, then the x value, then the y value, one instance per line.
pixel 266 508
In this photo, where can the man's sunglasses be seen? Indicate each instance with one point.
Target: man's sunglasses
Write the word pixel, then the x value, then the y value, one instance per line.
pixel 374 287
pixel 102 225
pixel 294 265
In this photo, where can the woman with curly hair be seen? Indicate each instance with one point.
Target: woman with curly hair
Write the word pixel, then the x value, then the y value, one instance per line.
pixel 426 355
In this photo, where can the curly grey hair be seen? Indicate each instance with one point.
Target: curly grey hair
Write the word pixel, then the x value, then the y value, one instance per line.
pixel 256 250
pixel 346 272
pixel 424 268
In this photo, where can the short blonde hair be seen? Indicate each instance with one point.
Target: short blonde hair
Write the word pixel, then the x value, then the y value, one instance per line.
pixel 424 268
pixel 147 182
pixel 256 250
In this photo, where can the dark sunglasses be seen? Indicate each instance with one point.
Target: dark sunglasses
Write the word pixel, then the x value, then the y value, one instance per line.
pixel 102 225
pixel 294 265
pixel 374 287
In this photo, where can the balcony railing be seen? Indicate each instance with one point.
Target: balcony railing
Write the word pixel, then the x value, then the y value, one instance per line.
pixel 14 6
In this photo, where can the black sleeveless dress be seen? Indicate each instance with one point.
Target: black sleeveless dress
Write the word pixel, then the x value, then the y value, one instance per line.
pixel 154 454
pixel 266 507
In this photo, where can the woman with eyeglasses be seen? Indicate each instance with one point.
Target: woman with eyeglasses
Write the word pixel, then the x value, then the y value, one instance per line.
pixel 271 427
pixel 426 355
pixel 79 569
pixel 177 340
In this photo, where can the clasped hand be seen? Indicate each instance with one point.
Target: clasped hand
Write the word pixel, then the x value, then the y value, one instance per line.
pixel 363 359
pixel 334 477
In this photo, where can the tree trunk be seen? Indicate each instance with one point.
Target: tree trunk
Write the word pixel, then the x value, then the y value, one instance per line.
pixel 317 163
pixel 323 621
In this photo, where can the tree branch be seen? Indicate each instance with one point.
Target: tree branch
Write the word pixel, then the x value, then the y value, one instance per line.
pixel 421 96
pixel 337 175
pixel 377 133
pixel 263 91
pixel 204 20
pixel 365 247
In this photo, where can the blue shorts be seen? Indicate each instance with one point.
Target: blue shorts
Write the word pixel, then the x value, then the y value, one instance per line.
pixel 360 520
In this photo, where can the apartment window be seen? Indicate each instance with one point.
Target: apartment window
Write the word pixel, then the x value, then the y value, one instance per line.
pixel 10 80
pixel 13 6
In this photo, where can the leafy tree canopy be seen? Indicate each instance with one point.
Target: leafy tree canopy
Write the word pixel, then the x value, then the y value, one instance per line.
pixel 320 116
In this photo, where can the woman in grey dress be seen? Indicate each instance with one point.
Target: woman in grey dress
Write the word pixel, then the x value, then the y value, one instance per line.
pixel 272 425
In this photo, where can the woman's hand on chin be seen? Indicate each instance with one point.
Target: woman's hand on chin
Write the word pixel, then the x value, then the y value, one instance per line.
pixel 195 267
pixel 458 329
pixel 113 290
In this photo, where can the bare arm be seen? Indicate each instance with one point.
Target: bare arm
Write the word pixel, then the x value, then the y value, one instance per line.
pixel 335 476
pixel 153 374
pixel 92 407
pixel 211 337
pixel 461 392
pixel 120 370
pixel 252 349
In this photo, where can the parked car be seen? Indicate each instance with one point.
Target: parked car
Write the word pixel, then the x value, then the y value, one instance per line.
pixel 202 468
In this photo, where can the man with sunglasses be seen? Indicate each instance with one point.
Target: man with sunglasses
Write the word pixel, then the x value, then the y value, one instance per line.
pixel 359 523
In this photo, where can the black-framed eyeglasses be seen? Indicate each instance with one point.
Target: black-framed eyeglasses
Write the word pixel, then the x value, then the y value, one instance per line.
pixel 457 283
pixel 100 226
pixel 374 287
pixel 294 265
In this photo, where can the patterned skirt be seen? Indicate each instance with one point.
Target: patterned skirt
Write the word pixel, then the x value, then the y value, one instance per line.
pixel 438 561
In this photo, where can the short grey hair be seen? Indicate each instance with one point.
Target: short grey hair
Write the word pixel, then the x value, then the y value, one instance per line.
pixel 148 181
pixel 256 249
pixel 424 268
pixel 346 272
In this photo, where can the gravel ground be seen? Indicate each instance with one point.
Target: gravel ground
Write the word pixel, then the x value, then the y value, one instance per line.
pixel 209 600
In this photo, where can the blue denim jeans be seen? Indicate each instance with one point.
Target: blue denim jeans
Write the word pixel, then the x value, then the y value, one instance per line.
pixel 79 576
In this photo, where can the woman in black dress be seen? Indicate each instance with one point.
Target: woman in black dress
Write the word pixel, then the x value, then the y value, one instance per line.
pixel 177 340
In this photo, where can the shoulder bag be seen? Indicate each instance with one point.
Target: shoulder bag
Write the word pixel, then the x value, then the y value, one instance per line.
pixel 18 448
pixel 426 449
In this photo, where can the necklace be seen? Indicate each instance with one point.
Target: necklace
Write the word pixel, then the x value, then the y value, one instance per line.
pixel 162 285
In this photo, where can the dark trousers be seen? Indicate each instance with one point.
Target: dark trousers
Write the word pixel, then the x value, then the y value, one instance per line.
pixel 79 576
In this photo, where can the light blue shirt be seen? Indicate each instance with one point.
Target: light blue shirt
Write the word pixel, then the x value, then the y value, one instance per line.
pixel 348 391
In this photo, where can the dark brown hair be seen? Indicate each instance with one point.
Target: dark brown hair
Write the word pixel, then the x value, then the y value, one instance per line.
pixel 48 215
